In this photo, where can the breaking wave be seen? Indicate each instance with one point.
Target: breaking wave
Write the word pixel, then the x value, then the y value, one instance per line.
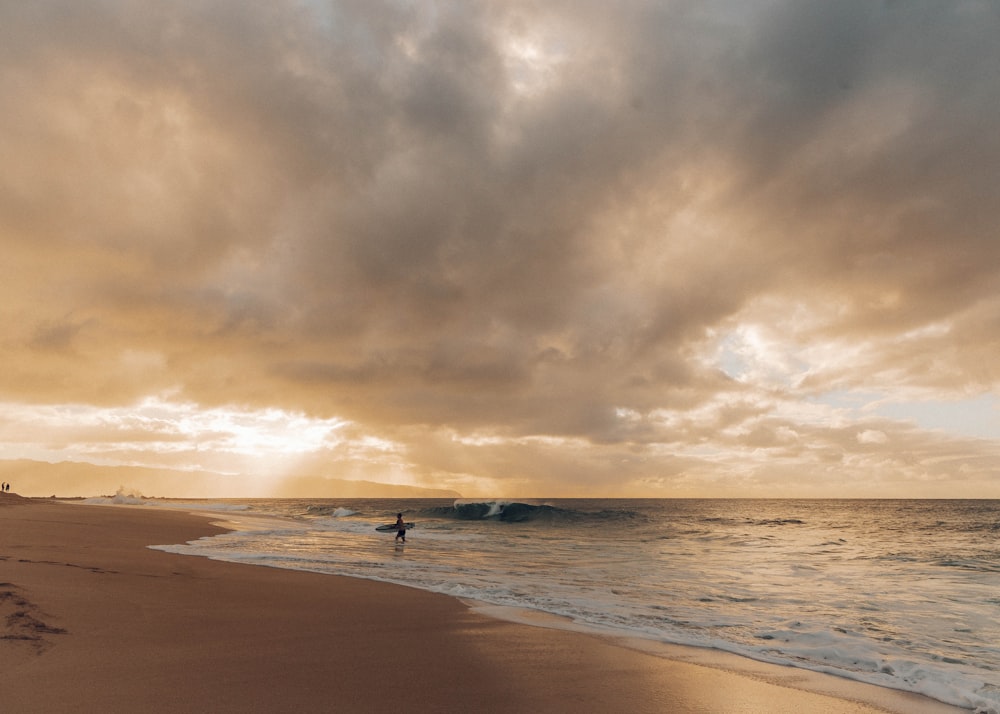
pixel 521 512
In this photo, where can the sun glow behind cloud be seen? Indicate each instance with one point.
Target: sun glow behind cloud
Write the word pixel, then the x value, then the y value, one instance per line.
pixel 569 248
pixel 160 432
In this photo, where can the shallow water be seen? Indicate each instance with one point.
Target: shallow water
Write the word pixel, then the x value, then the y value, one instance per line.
pixel 904 594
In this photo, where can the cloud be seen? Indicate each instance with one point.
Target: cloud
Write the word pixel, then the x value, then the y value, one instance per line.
pixel 528 222
pixel 872 436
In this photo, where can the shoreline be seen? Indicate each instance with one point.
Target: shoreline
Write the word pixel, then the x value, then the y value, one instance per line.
pixel 896 701
pixel 106 623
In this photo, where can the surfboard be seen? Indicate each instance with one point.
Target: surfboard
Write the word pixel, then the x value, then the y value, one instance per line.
pixel 390 527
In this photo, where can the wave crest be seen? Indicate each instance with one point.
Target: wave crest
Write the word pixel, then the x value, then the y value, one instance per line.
pixel 521 512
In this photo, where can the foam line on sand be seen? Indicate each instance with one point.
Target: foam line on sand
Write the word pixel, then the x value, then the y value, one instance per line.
pixel 95 621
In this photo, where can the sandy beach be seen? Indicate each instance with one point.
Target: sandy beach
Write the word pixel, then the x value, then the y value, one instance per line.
pixel 92 620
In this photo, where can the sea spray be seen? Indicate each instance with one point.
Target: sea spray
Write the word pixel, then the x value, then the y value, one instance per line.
pixel 901 594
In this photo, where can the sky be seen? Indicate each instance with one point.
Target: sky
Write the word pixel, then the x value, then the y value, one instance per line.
pixel 510 248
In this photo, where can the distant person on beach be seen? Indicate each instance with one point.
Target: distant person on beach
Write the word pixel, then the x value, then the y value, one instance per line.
pixel 400 527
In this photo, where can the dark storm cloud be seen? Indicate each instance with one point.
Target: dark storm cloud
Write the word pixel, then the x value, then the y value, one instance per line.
pixel 523 218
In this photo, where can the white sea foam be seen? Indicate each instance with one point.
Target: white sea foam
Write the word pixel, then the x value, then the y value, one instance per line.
pixel 879 592
pixel 121 498
pixel 124 497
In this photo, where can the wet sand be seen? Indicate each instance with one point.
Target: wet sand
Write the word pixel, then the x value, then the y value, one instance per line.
pixel 91 620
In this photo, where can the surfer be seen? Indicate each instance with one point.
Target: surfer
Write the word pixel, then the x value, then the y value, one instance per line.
pixel 400 527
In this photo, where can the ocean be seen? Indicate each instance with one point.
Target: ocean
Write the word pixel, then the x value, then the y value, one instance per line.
pixel 898 593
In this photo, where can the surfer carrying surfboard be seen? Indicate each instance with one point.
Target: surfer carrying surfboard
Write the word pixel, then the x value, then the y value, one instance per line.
pixel 400 527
